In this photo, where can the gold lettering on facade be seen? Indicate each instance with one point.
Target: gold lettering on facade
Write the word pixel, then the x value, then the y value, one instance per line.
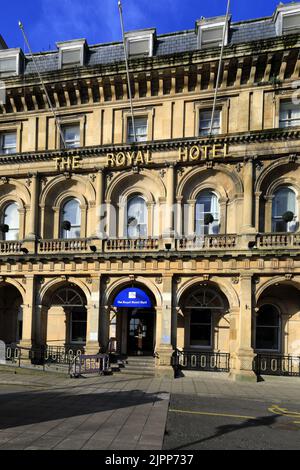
pixel 202 152
pixel 128 158
pixel 67 163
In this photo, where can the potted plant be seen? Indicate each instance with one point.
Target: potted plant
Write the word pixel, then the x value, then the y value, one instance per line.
pixel 4 228
pixel 66 225
pixel 208 219
pixel 288 216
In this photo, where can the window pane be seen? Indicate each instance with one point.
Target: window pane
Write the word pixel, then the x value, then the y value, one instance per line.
pixel 9 143
pixel 291 22
pixel 212 35
pixel 267 328
pixel 71 212
pixel 11 218
pixel 70 58
pixel 205 122
pixel 8 67
pixel 289 114
pixel 141 129
pixel 137 218
pixel 140 47
pixel 71 136
pixel 284 201
pixel 207 203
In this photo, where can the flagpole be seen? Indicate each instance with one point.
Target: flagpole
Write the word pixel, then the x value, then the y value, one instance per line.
pixel 219 69
pixel 43 85
pixel 127 69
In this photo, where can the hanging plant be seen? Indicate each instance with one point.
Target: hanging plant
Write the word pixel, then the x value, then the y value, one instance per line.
pixel 66 225
pixel 208 219
pixel 132 221
pixel 4 228
pixel 288 216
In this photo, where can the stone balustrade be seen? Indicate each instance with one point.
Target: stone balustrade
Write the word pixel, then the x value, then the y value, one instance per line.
pixel 10 247
pixel 205 243
pixel 278 240
pixel 63 246
pixel 208 242
pixel 123 245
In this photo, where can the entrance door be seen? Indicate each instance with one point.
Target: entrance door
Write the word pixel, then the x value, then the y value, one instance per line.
pixel 140 331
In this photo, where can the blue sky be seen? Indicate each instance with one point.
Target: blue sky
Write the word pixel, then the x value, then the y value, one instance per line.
pixel 49 21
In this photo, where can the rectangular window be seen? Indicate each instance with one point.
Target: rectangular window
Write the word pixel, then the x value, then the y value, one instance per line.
pixel 8 67
pixel 205 122
pixel 138 48
pixel 289 114
pixel 8 143
pixel 70 58
pixel 71 136
pixel 211 37
pixel 141 129
pixel 290 23
pixel 200 328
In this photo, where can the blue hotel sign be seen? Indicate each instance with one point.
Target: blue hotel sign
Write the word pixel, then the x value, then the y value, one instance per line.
pixel 132 298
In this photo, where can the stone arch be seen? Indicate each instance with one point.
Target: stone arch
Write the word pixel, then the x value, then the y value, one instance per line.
pixel 194 177
pixel 130 179
pixel 11 307
pixel 56 184
pixel 222 284
pixel 265 178
pixel 272 282
pixel 49 288
pixel 117 285
pixel 52 196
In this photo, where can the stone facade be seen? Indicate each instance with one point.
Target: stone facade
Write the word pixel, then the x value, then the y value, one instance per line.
pixel 48 282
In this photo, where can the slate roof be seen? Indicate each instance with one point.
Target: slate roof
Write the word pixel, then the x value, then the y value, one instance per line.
pixel 167 44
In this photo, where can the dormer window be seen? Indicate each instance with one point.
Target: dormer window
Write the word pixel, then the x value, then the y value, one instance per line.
pixel 287 19
pixel 71 53
pixel 9 62
pixel 211 31
pixel 140 43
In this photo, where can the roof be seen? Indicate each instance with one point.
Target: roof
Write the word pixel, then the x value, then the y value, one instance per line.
pixel 166 44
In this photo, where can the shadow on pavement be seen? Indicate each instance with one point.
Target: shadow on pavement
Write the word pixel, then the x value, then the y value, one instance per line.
pixel 228 428
pixel 20 409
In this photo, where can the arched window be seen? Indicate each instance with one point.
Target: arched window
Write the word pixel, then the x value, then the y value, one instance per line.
pixel 207 213
pixel 11 222
pixel 267 328
pixel 284 202
pixel 137 218
pixel 201 306
pixel 71 219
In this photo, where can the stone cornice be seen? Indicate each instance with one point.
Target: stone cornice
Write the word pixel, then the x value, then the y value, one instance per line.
pixel 273 135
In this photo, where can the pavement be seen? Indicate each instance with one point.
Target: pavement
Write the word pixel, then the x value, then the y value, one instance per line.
pixel 122 412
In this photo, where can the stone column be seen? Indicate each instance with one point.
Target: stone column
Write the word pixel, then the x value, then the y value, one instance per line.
pixel 244 355
pixel 268 214
pixel 98 229
pixel 169 216
pixel 165 348
pixel 33 209
pixel 248 198
pixel 93 316
pixel 28 307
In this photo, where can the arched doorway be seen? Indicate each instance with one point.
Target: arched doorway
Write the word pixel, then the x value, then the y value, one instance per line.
pixel 11 318
pixel 134 322
pixel 206 326
pixel 67 317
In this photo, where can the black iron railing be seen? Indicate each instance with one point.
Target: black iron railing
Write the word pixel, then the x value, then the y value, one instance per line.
pixel 277 364
pixel 201 361
pixel 44 355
